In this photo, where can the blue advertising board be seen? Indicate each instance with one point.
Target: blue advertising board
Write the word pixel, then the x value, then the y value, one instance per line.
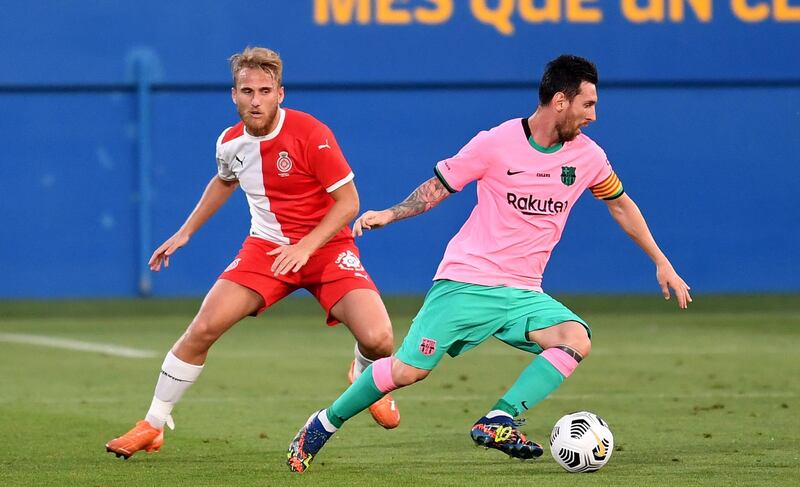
pixel 699 113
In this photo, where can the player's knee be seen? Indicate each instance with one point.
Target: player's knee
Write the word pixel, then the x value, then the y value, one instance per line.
pixel 577 338
pixel 571 334
pixel 202 332
pixel 581 344
pixel 378 343
pixel 406 378
pixel 405 375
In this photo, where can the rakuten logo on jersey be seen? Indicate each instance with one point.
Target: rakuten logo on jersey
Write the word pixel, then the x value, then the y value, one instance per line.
pixel 530 205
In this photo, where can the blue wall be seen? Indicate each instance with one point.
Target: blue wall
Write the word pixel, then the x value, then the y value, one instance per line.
pixel 700 119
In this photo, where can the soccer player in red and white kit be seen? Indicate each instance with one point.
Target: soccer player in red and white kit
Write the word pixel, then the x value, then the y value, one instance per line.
pixel 301 195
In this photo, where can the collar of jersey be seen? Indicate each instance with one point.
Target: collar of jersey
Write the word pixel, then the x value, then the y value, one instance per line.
pixel 274 133
pixel 543 150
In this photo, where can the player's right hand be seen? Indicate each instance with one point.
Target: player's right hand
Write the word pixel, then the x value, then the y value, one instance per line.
pixel 166 249
pixel 372 219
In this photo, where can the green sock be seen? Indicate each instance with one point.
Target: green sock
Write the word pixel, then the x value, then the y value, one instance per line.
pixel 535 383
pixel 358 397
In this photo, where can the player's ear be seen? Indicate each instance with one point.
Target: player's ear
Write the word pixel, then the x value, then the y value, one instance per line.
pixel 233 95
pixel 560 101
pixel 281 94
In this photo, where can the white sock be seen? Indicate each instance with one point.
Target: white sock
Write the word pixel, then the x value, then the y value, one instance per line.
pixel 497 412
pixel 362 363
pixel 176 376
pixel 326 423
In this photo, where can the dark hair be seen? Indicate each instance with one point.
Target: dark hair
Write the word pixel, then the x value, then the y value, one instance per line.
pixel 565 74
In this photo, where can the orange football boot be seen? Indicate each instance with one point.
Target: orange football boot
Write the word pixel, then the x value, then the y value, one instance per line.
pixel 143 436
pixel 384 411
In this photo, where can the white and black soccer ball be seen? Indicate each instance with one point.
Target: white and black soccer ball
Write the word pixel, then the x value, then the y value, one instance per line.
pixel 581 442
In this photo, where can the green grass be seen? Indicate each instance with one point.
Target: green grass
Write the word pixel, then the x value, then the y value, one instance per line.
pixel 710 396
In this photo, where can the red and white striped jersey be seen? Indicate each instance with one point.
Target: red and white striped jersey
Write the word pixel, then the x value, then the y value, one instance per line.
pixel 286 175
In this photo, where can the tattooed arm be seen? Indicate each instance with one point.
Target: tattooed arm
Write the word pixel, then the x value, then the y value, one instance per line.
pixel 426 196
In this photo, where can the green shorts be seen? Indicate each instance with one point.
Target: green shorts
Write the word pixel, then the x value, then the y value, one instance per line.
pixel 457 316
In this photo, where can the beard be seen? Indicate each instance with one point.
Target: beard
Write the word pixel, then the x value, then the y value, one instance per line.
pixel 566 134
pixel 257 126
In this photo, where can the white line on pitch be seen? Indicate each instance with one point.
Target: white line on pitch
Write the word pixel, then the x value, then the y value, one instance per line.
pixel 67 344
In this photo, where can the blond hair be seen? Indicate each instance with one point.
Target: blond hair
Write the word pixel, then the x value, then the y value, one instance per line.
pixel 261 58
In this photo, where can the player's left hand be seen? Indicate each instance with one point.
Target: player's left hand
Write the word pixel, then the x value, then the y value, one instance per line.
pixel 669 279
pixel 289 258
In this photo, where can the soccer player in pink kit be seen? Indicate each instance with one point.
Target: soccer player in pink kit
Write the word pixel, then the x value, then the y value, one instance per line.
pixel 529 173
pixel 301 195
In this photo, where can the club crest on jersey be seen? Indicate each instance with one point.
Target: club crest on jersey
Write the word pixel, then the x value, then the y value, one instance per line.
pixel 284 164
pixel 428 346
pixel 349 261
pixel 567 175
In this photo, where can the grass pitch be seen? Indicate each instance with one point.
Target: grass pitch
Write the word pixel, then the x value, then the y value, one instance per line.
pixel 709 396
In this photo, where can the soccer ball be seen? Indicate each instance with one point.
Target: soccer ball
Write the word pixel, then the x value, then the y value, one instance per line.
pixel 581 442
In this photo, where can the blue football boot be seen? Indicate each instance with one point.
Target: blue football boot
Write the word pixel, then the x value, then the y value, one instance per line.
pixel 306 444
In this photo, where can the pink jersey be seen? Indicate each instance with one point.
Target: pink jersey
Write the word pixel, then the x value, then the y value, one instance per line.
pixel 286 175
pixel 525 193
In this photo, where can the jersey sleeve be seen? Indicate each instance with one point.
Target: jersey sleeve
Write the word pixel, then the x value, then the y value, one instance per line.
pixel 607 185
pixel 326 160
pixel 468 165
pixel 223 164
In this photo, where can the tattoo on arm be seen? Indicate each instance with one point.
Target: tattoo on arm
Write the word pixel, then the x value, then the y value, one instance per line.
pixel 426 196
